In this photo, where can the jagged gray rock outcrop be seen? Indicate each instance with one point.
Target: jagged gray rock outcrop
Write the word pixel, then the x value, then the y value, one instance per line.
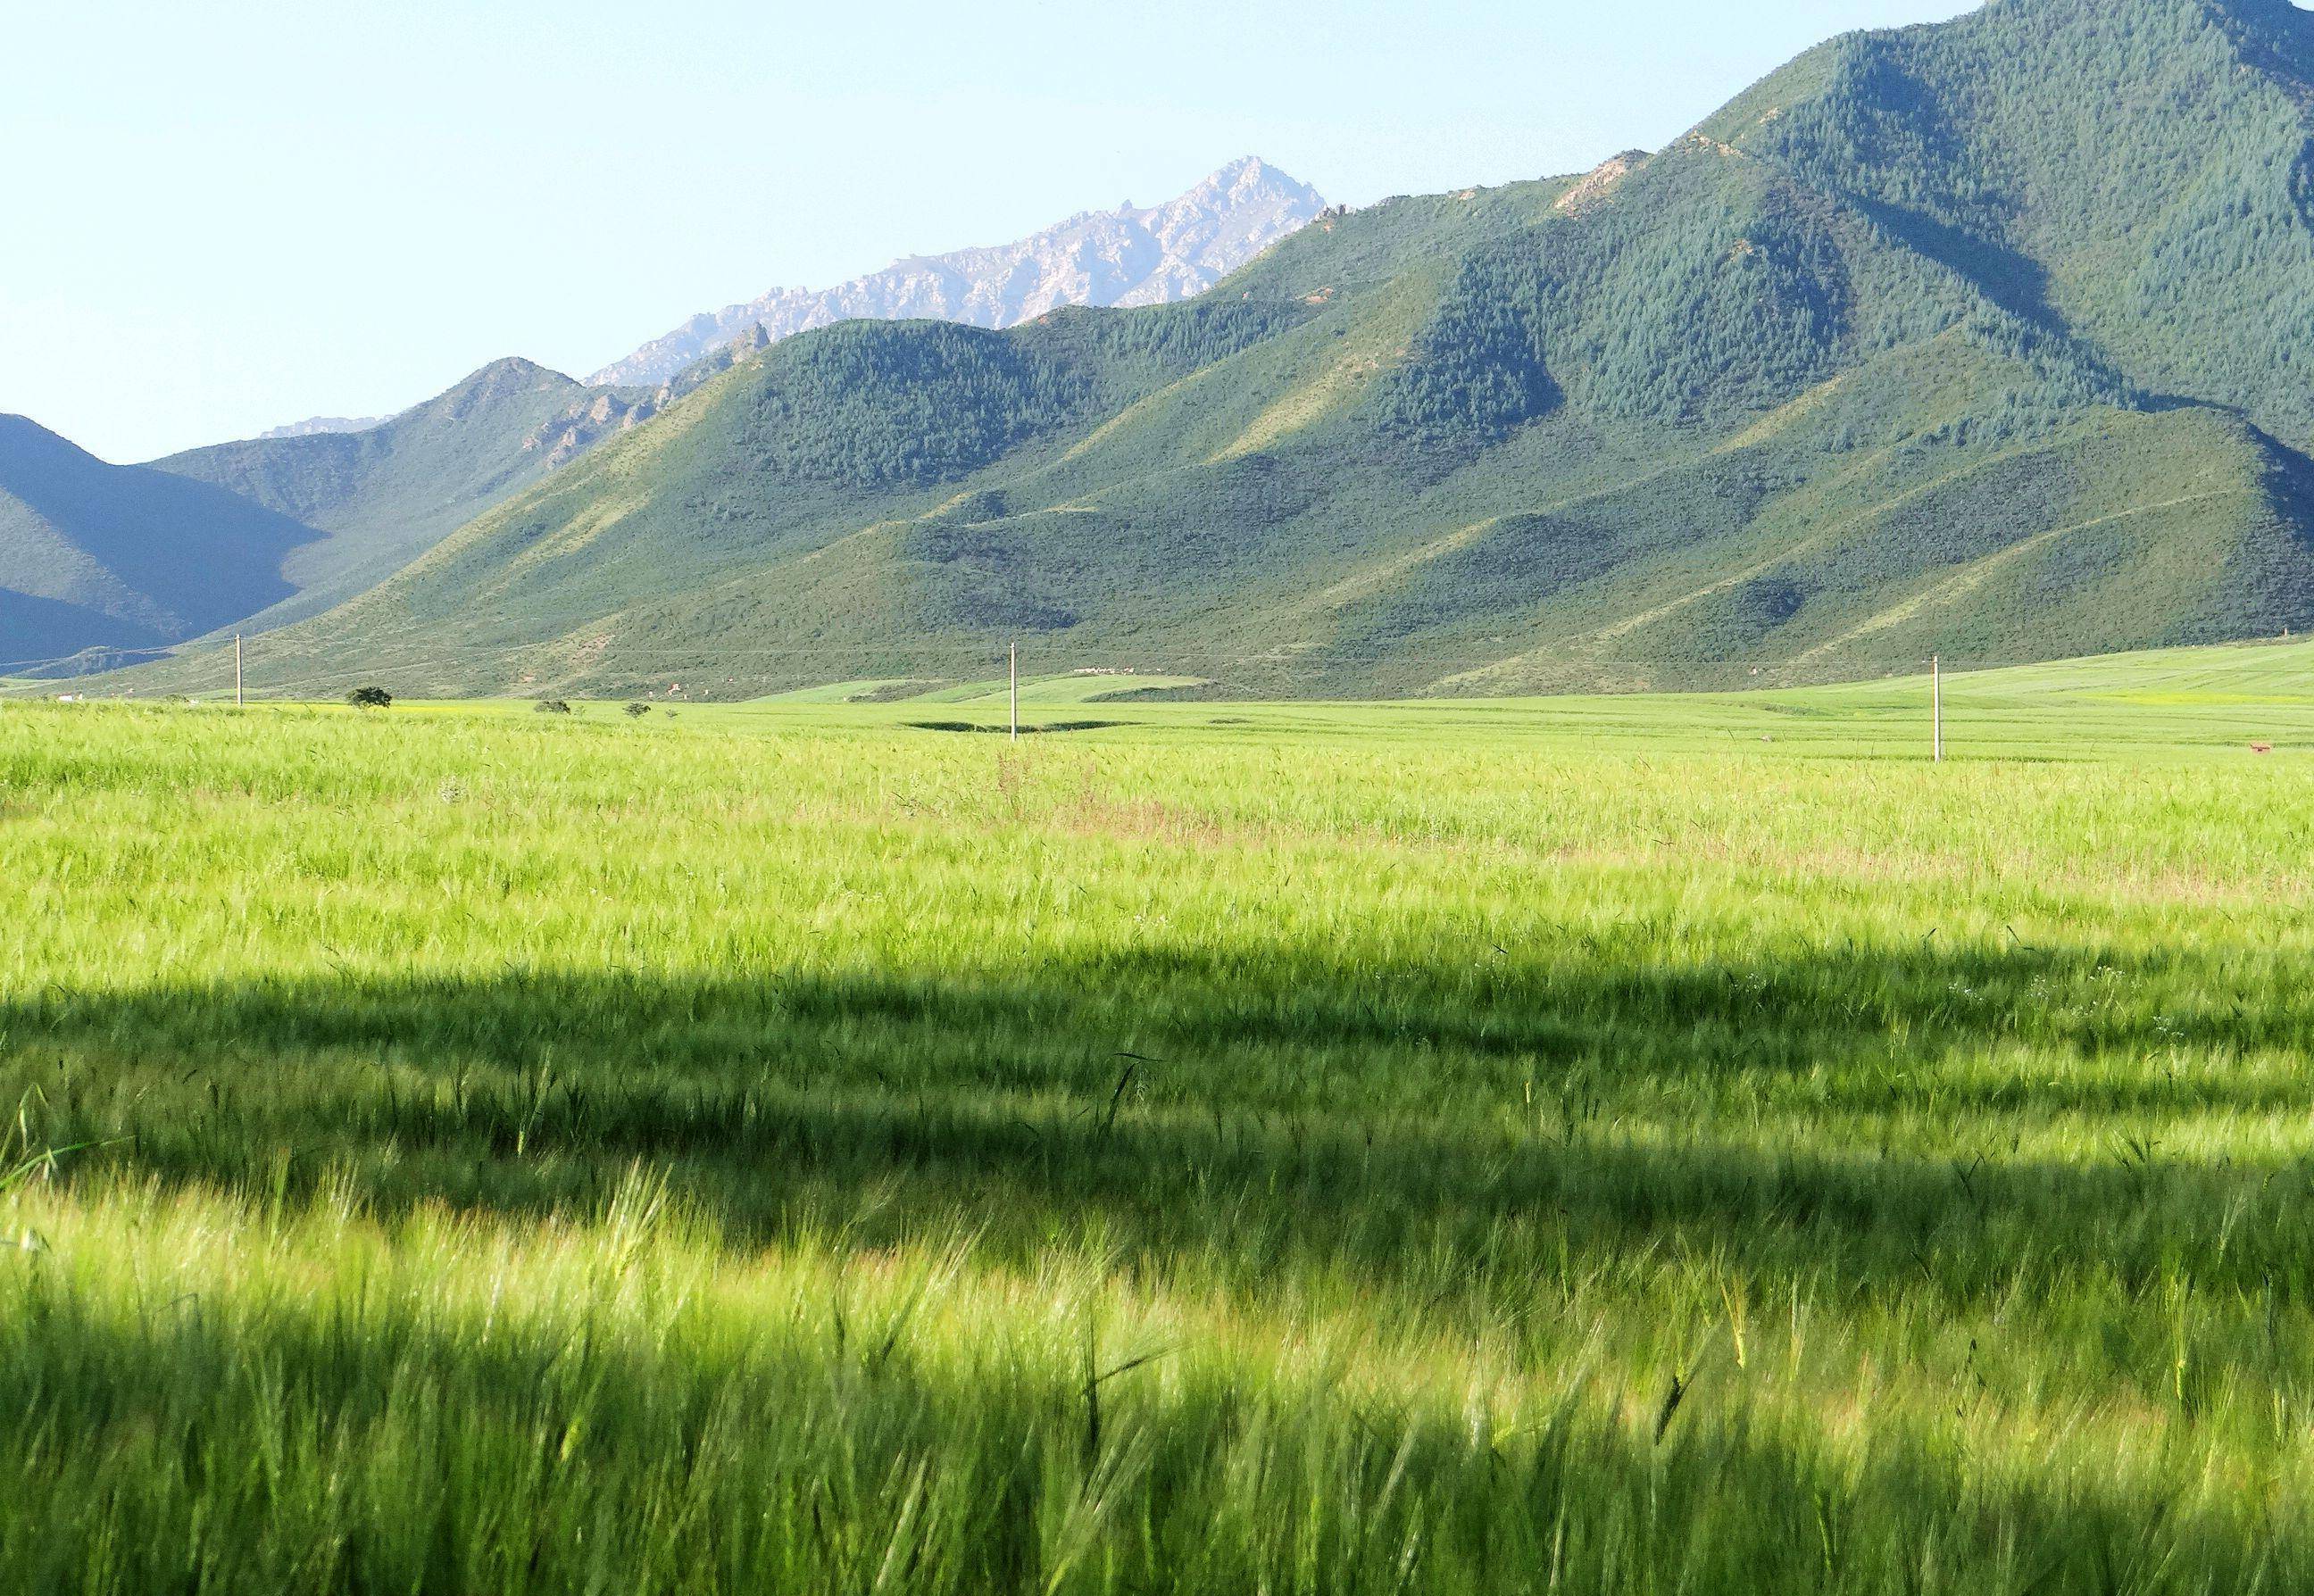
pixel 1131 255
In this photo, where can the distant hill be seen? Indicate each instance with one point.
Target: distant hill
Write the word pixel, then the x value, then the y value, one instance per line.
pixel 387 492
pixel 1127 256
pixel 325 514
pixel 98 556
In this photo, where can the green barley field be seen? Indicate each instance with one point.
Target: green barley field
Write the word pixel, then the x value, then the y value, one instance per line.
pixel 1602 1146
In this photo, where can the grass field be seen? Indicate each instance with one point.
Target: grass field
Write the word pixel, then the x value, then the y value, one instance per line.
pixel 1569 1145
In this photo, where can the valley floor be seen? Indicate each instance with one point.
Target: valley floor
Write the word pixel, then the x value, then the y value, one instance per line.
pixel 1594 1145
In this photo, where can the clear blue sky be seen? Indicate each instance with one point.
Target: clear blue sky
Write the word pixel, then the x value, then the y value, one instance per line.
pixel 218 216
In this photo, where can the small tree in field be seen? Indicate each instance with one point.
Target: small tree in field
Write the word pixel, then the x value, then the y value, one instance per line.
pixel 637 712
pixel 369 697
pixel 552 706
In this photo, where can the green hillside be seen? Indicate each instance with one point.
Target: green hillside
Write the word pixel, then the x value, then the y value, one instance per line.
pixel 1975 339
pixel 116 557
pixel 387 494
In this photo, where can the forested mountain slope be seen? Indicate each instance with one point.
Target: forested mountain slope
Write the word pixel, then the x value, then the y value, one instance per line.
pixel 1978 339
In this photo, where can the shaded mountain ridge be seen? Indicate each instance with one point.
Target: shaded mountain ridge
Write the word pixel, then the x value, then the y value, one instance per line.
pixel 124 557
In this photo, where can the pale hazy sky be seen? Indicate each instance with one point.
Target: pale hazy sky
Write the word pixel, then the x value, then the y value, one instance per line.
pixel 216 218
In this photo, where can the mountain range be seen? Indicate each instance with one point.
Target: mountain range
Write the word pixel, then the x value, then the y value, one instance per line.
pixel 1124 257
pixel 371 494
pixel 1978 339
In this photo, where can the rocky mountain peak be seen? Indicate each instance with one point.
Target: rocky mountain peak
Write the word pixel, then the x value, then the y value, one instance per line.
pixel 1602 181
pixel 1129 256
pixel 314 425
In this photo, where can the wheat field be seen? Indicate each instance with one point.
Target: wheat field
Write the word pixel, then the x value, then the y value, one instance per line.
pixel 1599 1146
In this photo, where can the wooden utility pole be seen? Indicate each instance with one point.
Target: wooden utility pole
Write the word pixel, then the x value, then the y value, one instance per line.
pixel 1936 709
pixel 1015 660
pixel 238 700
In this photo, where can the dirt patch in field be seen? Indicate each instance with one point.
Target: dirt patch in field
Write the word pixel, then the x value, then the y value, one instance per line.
pixel 1092 816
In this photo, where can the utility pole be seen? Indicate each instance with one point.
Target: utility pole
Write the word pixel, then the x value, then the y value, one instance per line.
pixel 1936 708
pixel 1015 660
pixel 238 700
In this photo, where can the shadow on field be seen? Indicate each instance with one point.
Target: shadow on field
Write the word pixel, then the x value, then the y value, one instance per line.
pixel 1003 729
pixel 1471 1134
pixel 1290 1027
